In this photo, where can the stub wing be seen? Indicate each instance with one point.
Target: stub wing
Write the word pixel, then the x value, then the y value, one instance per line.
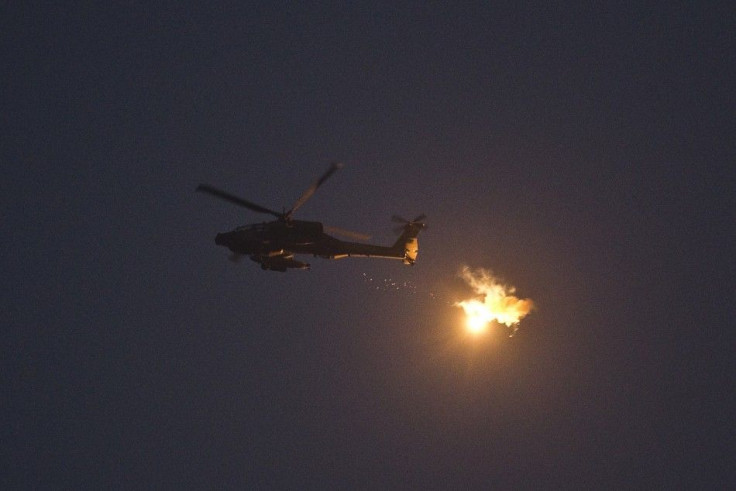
pixel 280 262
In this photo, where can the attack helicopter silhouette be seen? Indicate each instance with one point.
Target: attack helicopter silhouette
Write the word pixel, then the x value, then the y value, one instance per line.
pixel 274 244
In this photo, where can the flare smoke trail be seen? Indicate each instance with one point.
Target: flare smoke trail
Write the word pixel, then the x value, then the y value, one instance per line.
pixel 498 302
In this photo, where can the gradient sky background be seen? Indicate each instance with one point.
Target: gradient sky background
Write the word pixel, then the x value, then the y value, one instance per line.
pixel 584 154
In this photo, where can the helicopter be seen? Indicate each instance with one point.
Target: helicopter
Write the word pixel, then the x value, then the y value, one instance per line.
pixel 273 244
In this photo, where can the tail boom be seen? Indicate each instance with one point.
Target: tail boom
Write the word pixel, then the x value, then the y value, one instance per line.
pixel 406 247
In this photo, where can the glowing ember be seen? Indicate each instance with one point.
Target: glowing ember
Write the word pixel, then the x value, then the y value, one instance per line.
pixel 498 303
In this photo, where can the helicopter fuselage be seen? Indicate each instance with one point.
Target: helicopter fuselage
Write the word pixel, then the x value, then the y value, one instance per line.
pixel 273 244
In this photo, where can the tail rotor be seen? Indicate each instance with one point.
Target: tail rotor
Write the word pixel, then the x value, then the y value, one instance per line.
pixel 417 222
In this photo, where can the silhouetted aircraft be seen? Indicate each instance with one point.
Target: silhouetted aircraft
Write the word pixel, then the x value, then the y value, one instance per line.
pixel 274 244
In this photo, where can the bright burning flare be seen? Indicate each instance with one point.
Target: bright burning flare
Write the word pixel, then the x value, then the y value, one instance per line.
pixel 498 303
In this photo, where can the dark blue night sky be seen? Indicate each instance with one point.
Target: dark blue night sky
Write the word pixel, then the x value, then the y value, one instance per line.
pixel 583 153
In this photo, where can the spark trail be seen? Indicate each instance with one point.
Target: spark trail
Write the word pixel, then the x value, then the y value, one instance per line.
pixel 493 302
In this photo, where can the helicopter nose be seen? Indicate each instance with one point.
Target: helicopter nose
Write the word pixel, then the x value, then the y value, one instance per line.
pixel 220 239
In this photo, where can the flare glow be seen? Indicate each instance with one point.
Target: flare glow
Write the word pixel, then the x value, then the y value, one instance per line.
pixel 498 302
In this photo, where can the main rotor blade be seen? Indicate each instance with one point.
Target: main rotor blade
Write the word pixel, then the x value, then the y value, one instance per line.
pixel 419 218
pixel 311 189
pixel 346 233
pixel 204 188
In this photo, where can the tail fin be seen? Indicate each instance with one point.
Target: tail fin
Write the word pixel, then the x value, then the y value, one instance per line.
pixel 407 245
